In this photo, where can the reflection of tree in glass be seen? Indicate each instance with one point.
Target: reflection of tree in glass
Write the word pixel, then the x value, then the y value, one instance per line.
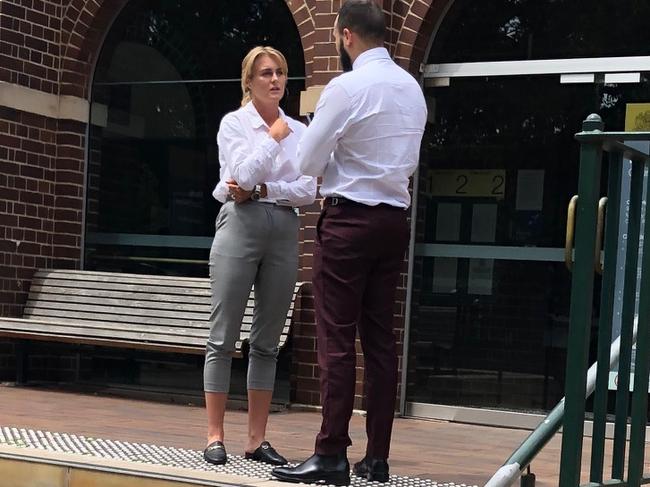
pixel 608 100
pixel 500 30
pixel 178 30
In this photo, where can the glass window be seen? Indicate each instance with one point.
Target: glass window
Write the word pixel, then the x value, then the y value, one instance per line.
pixel 509 30
pixel 167 73
pixel 490 305
pixel 499 164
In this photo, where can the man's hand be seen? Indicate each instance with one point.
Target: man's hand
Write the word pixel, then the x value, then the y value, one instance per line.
pixel 237 193
pixel 280 129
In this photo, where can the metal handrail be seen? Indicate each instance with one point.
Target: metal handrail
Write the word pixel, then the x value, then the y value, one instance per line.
pixel 540 436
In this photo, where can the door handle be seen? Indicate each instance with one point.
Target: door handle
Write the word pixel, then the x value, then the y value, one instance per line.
pixel 600 228
pixel 570 232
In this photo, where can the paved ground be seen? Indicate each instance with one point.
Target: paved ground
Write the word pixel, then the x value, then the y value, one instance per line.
pixel 436 450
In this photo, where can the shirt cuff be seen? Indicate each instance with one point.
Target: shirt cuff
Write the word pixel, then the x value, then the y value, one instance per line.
pixel 273 190
pixel 220 193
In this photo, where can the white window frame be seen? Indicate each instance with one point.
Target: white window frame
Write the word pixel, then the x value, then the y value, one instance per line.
pixel 538 66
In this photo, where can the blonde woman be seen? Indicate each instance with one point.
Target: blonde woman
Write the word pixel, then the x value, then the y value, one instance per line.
pixel 256 242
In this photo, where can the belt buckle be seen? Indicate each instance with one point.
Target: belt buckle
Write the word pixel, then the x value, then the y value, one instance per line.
pixel 334 201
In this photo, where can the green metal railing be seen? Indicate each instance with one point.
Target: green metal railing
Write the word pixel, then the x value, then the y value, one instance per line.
pixel 593 141
pixel 592 228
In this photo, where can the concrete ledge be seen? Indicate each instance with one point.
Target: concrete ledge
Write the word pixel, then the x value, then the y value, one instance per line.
pixel 29 100
pixel 29 467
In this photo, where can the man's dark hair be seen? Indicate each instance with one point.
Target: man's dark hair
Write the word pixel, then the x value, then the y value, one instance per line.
pixel 363 17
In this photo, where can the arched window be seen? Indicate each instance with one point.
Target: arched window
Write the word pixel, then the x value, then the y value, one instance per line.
pixel 167 73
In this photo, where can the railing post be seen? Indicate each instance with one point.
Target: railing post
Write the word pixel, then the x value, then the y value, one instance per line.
pixel 581 306
pixel 606 315
pixel 627 322
pixel 642 363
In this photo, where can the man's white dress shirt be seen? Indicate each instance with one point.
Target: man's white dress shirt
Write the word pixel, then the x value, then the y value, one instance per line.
pixel 250 156
pixel 366 133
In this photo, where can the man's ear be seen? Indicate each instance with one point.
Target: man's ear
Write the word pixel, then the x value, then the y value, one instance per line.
pixel 347 36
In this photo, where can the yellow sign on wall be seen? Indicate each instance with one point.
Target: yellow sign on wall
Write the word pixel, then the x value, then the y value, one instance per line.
pixel 637 117
pixel 489 183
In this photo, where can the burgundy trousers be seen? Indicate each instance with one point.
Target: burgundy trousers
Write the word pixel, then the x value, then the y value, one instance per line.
pixel 358 257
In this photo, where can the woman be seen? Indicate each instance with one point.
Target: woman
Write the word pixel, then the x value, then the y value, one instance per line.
pixel 256 242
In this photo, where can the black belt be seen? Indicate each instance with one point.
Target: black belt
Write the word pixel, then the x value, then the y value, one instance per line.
pixel 339 200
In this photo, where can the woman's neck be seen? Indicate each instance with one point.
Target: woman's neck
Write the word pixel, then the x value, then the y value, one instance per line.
pixel 268 111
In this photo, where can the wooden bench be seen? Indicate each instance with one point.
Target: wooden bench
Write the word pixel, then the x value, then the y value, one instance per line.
pixel 159 313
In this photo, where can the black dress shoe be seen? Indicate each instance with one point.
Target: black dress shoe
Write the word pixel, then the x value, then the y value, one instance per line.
pixel 215 453
pixel 325 469
pixel 267 454
pixel 373 469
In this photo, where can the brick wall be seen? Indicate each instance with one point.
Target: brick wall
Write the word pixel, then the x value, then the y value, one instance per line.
pixel 30 43
pixel 51 46
pixel 40 200
pixel 42 158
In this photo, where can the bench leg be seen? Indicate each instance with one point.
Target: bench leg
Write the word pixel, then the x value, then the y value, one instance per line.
pixel 21 361
pixel 77 372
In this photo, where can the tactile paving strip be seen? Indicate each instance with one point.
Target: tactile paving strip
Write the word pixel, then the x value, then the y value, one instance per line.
pixel 169 456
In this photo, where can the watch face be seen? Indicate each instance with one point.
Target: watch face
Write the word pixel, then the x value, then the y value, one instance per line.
pixel 256 192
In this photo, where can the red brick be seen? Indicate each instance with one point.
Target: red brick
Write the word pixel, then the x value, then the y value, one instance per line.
pixel 67 227
pixel 27 222
pixel 32 146
pixel 13 10
pixel 31 197
pixel 420 8
pixel 7 167
pixel 66 257
pixel 68 203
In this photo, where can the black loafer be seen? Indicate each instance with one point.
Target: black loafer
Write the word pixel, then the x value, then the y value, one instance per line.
pixel 266 453
pixel 317 469
pixel 373 469
pixel 215 453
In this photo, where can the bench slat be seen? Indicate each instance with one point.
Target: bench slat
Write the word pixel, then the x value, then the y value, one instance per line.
pixel 119 328
pixel 51 300
pixel 96 276
pixel 74 315
pixel 71 330
pixel 119 286
pixel 131 310
pixel 58 292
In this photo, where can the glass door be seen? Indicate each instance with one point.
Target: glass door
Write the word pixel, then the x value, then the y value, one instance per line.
pixel 490 291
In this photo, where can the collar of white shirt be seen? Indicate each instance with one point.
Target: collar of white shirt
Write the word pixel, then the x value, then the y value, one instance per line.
pixel 255 118
pixel 370 55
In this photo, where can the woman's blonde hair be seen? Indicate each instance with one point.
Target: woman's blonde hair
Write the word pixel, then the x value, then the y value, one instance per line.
pixel 248 64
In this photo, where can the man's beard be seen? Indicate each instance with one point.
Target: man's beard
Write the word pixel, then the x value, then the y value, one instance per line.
pixel 346 62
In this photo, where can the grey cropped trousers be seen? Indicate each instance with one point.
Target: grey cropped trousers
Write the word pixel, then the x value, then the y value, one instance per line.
pixel 254 244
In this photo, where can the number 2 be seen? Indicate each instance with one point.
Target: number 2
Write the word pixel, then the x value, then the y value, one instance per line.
pixel 498 182
pixel 462 180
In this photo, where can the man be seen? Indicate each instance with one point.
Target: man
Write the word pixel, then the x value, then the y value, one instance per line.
pixel 365 141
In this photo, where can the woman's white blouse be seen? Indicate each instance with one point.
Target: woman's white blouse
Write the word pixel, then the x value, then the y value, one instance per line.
pixel 250 156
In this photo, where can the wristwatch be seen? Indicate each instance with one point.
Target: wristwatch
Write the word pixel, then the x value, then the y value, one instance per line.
pixel 257 192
